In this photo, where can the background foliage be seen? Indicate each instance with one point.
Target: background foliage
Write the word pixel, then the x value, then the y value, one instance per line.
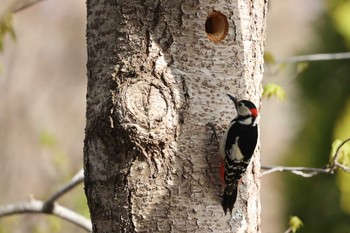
pixel 323 202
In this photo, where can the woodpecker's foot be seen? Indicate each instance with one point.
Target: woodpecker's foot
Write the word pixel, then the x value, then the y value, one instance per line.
pixel 214 136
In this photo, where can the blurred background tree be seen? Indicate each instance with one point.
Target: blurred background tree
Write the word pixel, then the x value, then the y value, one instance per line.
pixel 42 109
pixel 322 202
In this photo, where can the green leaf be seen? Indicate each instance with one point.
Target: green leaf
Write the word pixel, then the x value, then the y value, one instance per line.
pixel 272 89
pixel 6 28
pixel 302 66
pixel 282 66
pixel 47 139
pixel 269 58
pixel 295 223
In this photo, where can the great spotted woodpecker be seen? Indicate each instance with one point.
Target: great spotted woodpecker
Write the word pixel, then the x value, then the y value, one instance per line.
pixel 236 149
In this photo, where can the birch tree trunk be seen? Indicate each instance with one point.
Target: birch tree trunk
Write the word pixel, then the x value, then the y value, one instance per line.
pixel 158 72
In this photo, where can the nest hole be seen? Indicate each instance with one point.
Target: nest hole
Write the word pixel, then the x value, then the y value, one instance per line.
pixel 216 26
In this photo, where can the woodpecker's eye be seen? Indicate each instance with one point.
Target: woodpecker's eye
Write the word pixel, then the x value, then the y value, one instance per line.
pixel 240 104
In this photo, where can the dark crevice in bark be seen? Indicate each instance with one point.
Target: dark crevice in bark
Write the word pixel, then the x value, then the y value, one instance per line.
pixel 130 212
pixel 234 29
pixel 185 104
pixel 148 41
pixel 157 13
pixel 125 185
pixel 180 14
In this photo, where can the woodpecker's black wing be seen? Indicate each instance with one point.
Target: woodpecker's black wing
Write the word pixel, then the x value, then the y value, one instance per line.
pixel 239 147
pixel 248 138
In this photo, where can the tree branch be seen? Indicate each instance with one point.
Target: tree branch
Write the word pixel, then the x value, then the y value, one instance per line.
pixel 334 162
pixel 344 168
pixel 301 171
pixel 21 5
pixel 77 179
pixel 50 206
pixel 35 206
pixel 16 6
pixel 311 171
pixel 315 57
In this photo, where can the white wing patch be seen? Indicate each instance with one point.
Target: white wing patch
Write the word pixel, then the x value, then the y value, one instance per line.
pixel 235 152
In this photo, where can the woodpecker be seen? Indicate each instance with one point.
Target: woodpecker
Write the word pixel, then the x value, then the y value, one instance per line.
pixel 236 149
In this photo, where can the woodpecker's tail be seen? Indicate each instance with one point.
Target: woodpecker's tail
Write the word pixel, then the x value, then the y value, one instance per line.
pixel 229 197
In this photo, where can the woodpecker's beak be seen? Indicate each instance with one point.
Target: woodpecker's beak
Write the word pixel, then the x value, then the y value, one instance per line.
pixel 233 99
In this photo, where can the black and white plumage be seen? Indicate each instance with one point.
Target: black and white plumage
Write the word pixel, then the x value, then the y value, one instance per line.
pixel 236 149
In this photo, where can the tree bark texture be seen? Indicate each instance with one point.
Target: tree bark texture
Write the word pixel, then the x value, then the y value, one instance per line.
pixel 154 82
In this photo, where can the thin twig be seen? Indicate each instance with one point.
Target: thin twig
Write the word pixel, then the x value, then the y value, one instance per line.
pixel 35 206
pixel 77 179
pixel 288 230
pixel 334 161
pixel 310 171
pixel 21 5
pixel 301 171
pixel 344 168
pixel 17 6
pixel 315 57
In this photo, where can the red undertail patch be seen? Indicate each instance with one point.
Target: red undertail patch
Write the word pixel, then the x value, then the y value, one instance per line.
pixel 222 172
